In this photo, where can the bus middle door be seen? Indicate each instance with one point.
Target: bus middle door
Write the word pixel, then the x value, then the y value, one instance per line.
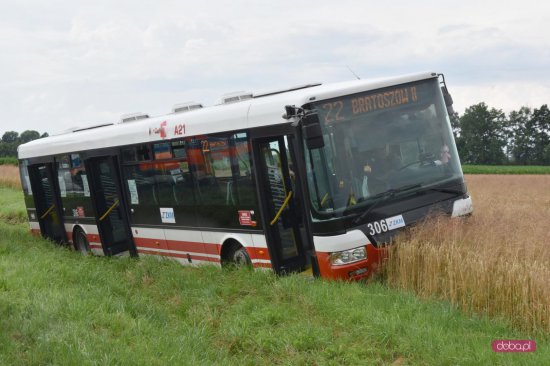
pixel 110 206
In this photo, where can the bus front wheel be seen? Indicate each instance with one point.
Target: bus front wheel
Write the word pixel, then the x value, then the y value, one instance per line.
pixel 241 258
pixel 235 255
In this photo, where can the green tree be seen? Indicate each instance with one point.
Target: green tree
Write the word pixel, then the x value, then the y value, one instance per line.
pixel 10 136
pixel 483 135
pixel 530 135
pixel 521 131
pixel 11 140
pixel 546 156
pixel 8 149
pixel 541 135
pixel 28 135
pixel 455 125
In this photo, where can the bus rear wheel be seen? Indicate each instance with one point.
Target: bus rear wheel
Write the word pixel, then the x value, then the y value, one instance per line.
pixel 80 241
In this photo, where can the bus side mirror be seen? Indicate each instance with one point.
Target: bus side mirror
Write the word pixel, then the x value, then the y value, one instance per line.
pixel 448 100
pixel 311 128
pixel 446 95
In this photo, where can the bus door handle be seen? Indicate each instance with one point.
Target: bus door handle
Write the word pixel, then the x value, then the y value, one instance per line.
pixel 47 212
pixel 109 210
pixel 285 203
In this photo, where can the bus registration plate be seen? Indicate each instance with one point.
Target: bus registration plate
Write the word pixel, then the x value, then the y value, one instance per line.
pixel 381 226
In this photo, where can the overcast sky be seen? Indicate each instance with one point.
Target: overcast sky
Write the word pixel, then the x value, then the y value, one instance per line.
pixel 73 63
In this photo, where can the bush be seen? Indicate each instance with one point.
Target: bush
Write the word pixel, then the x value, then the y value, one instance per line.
pixel 8 160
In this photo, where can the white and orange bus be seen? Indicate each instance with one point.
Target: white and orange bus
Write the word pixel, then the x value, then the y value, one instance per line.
pixel 316 178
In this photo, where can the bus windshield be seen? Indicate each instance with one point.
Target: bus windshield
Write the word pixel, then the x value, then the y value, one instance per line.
pixel 379 141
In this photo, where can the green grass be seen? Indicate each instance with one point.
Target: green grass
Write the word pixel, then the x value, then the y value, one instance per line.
pixel 60 308
pixel 9 160
pixel 12 206
pixel 505 169
pixel 57 307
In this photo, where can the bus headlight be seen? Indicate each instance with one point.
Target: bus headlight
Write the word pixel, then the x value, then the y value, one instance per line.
pixel 348 256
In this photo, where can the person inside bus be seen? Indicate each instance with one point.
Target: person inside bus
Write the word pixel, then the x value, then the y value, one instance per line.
pixel 444 155
pixel 377 166
pixel 371 169
pixel 365 182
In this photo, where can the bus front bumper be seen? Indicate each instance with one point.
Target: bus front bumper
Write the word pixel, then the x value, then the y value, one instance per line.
pixel 351 271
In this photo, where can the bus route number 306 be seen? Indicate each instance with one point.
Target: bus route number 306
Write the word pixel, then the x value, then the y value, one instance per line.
pixel 381 226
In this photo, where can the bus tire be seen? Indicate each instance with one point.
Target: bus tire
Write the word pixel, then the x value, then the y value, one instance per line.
pixel 235 255
pixel 80 241
pixel 241 258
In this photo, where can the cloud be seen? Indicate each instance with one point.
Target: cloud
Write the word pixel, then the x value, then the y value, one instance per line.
pixel 506 96
pixel 77 62
pixel 452 28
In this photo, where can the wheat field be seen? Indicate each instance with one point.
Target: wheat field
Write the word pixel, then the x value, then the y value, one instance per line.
pixel 495 262
pixel 9 176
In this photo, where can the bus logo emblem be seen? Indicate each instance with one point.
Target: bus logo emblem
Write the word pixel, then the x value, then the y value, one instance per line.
pixel 161 130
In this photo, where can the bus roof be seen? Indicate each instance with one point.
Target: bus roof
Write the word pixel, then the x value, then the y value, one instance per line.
pixel 259 111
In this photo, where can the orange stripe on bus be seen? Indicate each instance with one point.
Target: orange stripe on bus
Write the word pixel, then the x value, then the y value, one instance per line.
pixel 178 255
pixel 196 247
pixel 189 246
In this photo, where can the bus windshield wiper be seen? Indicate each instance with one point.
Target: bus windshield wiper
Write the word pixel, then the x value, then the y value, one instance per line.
pixel 446 190
pixel 384 196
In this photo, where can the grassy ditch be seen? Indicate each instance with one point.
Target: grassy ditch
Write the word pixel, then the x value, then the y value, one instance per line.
pixel 61 308
pixel 12 206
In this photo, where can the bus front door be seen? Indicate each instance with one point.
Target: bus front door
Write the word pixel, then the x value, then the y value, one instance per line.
pixel 283 218
pixel 109 205
pixel 47 201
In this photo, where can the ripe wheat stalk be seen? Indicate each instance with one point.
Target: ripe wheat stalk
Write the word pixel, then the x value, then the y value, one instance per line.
pixel 9 176
pixel 495 262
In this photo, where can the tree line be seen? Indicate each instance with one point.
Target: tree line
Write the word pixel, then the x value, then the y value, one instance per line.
pixel 11 140
pixel 488 136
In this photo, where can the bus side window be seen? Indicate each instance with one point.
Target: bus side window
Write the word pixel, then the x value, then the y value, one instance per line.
pixel 142 174
pixel 174 184
pixel 244 191
pixel 135 153
pixel 214 180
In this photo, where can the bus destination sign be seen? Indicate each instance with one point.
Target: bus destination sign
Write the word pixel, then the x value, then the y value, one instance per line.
pixel 350 106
